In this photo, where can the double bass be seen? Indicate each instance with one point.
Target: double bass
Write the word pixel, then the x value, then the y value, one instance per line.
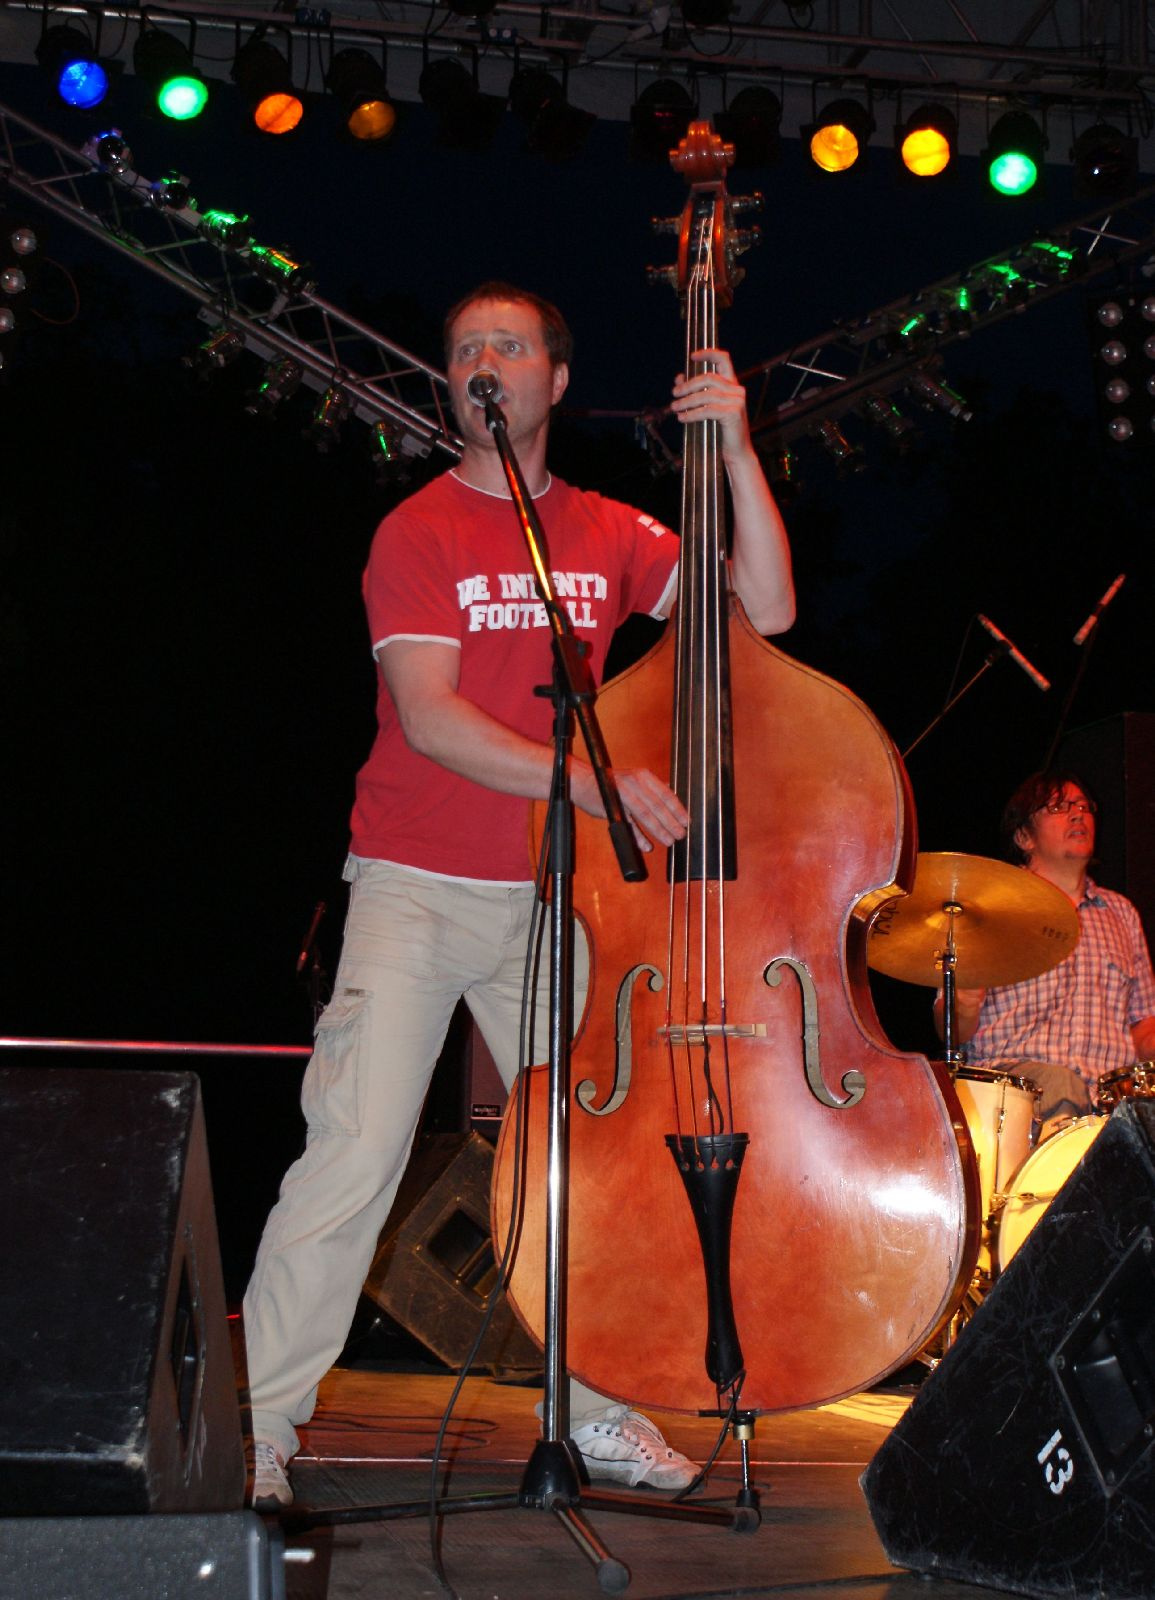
pixel 766 1199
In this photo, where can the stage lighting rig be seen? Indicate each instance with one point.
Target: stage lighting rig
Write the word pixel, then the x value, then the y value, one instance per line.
pixel 79 76
pixel 329 416
pixel 281 379
pixel 292 278
pixel 882 411
pixel 909 329
pixel 832 439
pixel 750 123
pixel 387 453
pixel 1106 163
pixel 265 80
pixel 838 136
pixel 173 193
pixel 927 141
pixel 1123 331
pixel 19 262
pixel 357 82
pixel 1014 154
pixel 781 466
pixel 109 151
pixel 165 65
pixel 557 130
pixel 226 230
pixel 222 347
pixel 230 233
pixel 659 119
pixel 466 118
pixel 933 395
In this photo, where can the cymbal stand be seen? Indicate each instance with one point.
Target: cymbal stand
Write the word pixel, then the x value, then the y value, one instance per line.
pixel 954 1059
pixel 951 909
pixel 554 1478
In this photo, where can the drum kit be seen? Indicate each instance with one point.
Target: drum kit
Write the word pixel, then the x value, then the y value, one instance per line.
pixel 970 922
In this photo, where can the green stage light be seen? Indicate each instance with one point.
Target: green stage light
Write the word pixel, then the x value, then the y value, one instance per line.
pixel 1014 154
pixel 166 66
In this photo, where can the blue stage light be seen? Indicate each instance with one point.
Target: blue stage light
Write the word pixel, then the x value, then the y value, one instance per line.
pixel 80 77
pixel 82 84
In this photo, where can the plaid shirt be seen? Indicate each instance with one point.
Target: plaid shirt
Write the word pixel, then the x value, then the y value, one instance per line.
pixel 1079 1014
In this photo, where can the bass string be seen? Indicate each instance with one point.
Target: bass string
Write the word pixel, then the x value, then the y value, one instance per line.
pixel 696 938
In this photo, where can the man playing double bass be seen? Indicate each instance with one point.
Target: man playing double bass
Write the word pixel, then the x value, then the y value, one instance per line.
pixel 441 882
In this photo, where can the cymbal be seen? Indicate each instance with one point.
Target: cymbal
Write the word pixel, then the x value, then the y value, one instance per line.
pixel 1009 924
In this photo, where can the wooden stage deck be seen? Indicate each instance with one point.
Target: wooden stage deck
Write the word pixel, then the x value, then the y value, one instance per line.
pixel 372 1440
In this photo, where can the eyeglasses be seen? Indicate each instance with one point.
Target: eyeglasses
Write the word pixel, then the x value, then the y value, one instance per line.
pixel 1058 808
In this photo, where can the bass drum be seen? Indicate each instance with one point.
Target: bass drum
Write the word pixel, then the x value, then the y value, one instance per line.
pixel 1039 1180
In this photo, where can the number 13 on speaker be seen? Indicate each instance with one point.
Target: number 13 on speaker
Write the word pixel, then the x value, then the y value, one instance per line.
pixel 1059 1472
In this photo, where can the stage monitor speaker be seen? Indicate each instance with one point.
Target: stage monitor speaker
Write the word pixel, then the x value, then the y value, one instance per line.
pixel 435 1264
pixel 119 1390
pixel 230 1555
pixel 1027 1459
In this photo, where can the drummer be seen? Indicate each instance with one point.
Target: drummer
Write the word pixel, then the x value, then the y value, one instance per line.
pixel 1094 1013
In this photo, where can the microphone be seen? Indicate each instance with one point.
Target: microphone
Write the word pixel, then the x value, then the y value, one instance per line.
pixel 310 938
pixel 485 385
pixel 1016 656
pixel 1081 636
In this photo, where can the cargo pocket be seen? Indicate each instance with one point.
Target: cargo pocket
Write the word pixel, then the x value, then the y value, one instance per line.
pixel 333 1089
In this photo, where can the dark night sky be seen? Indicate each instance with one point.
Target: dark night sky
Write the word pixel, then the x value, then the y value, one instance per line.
pixel 187 691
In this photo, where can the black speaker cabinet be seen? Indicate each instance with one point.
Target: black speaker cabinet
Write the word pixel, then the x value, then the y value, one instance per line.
pixel 1116 758
pixel 117 1386
pixel 229 1555
pixel 1027 1460
pixel 435 1263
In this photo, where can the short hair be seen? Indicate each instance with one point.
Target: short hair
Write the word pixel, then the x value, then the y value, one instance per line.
pixel 558 338
pixel 1031 796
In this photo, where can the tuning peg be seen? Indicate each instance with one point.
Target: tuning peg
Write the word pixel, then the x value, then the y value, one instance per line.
pixel 662 275
pixel 666 224
pixel 746 202
pixel 743 239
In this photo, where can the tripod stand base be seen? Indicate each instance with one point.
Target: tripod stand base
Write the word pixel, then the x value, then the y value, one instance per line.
pixel 554 1480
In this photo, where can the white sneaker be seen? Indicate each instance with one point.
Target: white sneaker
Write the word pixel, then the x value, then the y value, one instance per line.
pixel 272 1490
pixel 621 1446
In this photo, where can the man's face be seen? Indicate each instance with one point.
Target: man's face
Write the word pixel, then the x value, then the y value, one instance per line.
pixel 507 338
pixel 1064 830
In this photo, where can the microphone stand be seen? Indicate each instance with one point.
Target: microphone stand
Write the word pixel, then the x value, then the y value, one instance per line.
pixel 999 651
pixel 1072 692
pixel 554 1478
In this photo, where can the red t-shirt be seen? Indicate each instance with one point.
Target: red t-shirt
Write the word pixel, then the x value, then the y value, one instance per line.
pixel 450 565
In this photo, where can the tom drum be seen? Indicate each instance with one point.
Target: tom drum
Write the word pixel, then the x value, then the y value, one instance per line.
pixel 1136 1082
pixel 1000 1112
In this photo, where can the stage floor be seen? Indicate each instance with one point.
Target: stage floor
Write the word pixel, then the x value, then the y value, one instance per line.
pixel 373 1436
